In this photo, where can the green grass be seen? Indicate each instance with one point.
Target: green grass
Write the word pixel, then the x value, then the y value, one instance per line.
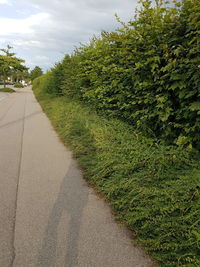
pixel 7 90
pixel 153 188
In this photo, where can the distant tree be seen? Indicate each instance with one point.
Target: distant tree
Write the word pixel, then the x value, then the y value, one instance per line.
pixel 36 72
pixel 21 75
pixel 9 64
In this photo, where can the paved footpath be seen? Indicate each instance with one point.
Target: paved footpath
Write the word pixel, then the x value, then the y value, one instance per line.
pixel 48 215
pixel 3 95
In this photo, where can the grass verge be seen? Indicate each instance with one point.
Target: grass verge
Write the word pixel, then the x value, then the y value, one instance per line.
pixel 153 188
pixel 7 90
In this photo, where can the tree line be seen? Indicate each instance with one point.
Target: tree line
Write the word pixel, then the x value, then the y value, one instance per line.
pixel 13 70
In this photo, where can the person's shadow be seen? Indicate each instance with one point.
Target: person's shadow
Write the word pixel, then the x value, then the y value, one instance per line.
pixel 71 199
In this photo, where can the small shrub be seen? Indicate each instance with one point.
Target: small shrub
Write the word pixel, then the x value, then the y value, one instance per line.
pixel 18 85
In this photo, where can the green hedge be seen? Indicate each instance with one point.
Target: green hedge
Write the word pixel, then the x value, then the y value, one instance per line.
pixel 152 187
pixel 146 73
pixel 144 78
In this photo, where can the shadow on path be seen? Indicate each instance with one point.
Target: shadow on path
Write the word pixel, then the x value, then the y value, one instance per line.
pixel 71 199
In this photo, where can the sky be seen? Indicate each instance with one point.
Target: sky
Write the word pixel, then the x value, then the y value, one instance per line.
pixel 43 31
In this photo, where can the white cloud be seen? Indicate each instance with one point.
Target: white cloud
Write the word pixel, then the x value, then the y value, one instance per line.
pixel 57 26
pixel 27 44
pixel 11 26
pixel 2 2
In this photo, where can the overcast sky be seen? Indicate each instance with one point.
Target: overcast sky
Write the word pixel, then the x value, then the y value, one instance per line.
pixel 42 31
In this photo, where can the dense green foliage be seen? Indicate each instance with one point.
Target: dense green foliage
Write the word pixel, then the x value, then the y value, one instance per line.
pixel 35 73
pixel 21 75
pixel 10 64
pixel 153 188
pixel 147 72
pixel 144 78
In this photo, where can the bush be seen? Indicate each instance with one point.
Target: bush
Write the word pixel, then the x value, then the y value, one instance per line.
pixel 18 85
pixel 146 73
pixel 46 82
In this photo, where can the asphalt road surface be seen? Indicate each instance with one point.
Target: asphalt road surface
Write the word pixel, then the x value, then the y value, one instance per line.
pixel 48 214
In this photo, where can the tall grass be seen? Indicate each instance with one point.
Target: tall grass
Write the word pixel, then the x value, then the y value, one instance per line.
pixel 153 188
